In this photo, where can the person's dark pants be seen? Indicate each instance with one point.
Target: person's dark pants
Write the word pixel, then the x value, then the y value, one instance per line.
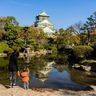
pixel 12 78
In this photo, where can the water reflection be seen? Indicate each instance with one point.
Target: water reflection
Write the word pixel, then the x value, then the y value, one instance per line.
pixel 45 72
pixel 81 77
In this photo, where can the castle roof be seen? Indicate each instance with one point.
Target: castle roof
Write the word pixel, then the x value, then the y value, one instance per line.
pixel 43 14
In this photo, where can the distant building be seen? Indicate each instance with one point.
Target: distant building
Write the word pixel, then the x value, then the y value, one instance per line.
pixel 42 21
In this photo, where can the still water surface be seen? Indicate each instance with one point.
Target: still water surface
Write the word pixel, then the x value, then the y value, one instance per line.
pixel 50 74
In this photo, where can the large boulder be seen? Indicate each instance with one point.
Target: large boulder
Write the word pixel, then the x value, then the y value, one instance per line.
pixel 88 65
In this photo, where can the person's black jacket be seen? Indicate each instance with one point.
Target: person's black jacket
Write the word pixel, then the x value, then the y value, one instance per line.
pixel 13 63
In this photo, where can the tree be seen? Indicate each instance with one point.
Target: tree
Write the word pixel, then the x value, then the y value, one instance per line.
pixel 72 38
pixel 78 27
pixel 2 31
pixel 10 29
pixel 90 27
pixel 35 37
pixel 66 38
pixel 26 35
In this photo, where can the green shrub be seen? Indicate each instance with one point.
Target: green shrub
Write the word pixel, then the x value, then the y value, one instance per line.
pixel 19 42
pixel 15 47
pixel 91 61
pixel 8 51
pixel 51 48
pixel 3 46
pixel 62 59
pixel 82 51
pixel 3 62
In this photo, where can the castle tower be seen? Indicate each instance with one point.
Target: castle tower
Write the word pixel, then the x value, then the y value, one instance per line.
pixel 42 21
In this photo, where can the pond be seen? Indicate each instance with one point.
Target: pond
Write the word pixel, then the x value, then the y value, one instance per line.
pixel 48 73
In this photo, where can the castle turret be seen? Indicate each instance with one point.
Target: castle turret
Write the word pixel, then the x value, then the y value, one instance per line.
pixel 42 21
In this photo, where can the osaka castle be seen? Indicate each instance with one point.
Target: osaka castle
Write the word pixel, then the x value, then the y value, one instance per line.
pixel 43 21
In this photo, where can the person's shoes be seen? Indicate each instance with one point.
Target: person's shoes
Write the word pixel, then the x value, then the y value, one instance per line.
pixel 14 84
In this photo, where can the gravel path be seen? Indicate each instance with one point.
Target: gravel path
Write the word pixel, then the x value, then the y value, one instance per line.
pixel 17 91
